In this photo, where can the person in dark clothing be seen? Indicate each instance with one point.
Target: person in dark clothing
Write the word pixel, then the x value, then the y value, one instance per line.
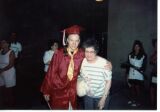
pixel 153 83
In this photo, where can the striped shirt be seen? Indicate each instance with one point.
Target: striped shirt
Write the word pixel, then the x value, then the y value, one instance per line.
pixel 95 76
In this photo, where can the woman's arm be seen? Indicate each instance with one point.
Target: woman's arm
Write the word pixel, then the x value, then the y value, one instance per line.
pixel 101 103
pixel 11 62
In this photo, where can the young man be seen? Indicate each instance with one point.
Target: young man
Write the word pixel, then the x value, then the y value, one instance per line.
pixel 59 86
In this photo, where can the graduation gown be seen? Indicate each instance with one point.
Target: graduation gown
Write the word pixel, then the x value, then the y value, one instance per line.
pixel 56 82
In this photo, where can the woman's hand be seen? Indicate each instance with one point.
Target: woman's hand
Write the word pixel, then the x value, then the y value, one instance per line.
pixel 48 62
pixel 101 103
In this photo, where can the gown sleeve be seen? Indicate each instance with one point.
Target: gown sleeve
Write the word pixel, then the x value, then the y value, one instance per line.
pixel 46 87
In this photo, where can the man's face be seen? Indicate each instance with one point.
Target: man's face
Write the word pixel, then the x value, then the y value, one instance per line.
pixel 73 41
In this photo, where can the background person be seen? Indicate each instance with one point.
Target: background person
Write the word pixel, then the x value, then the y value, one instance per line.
pixel 15 45
pixel 7 74
pixel 153 83
pixel 137 59
pixel 52 47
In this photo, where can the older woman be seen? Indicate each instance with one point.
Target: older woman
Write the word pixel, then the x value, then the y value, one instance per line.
pixel 96 76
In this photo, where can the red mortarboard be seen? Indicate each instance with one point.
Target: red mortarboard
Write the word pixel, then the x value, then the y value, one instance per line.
pixel 75 29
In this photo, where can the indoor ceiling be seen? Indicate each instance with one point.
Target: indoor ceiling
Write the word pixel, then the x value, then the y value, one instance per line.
pixel 57 14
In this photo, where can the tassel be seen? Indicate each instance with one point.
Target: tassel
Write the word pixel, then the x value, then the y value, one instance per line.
pixel 64 34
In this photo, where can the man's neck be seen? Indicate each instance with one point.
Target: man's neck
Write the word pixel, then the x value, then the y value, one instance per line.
pixel 71 51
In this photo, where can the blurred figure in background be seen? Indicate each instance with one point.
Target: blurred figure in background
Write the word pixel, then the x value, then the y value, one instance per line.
pixel 153 84
pixel 137 60
pixel 52 47
pixel 0 46
pixel 7 75
pixel 15 45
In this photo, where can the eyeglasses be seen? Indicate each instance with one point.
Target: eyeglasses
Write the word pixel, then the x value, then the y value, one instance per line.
pixel 91 52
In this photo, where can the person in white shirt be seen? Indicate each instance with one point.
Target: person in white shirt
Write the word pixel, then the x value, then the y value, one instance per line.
pixel 52 47
pixel 15 45
pixel 98 78
pixel 137 59
pixel 7 75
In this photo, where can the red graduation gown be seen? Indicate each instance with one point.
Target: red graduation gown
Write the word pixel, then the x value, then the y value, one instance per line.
pixel 56 83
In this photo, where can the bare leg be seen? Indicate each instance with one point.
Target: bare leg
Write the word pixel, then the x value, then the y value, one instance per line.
pixel 2 88
pixel 10 100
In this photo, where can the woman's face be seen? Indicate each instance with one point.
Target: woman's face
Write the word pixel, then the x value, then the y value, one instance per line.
pixel 54 46
pixel 4 44
pixel 90 54
pixel 136 48
pixel 73 41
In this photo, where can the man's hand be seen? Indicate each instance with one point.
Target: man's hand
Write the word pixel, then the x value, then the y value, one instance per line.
pixel 108 66
pixel 46 97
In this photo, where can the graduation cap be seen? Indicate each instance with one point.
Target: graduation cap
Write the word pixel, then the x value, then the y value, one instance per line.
pixel 75 29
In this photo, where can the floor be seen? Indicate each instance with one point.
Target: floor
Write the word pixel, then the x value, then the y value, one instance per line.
pixel 28 96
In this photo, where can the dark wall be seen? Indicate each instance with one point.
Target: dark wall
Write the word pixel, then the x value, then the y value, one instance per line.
pixel 36 21
pixel 130 20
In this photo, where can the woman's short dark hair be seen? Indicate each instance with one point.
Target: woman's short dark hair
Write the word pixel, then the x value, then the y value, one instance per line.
pixel 51 42
pixel 91 42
